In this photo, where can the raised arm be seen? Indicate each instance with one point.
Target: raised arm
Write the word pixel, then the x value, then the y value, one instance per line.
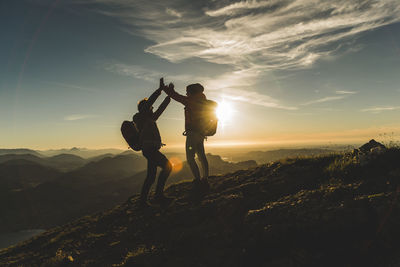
pixel 169 90
pixel 155 95
pixel 161 108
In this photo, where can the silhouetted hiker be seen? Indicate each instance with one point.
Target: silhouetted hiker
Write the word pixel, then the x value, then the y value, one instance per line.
pixel 150 137
pixel 195 133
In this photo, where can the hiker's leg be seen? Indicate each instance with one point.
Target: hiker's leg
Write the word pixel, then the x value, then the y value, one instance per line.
pixel 190 154
pixel 151 176
pixel 202 157
pixel 166 166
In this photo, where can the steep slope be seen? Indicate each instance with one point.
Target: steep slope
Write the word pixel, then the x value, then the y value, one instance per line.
pixel 337 210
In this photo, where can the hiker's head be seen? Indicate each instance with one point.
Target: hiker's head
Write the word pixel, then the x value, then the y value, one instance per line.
pixel 193 89
pixel 142 107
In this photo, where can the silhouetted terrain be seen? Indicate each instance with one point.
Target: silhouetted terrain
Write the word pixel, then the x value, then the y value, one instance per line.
pixel 20 174
pixel 62 162
pixel 335 210
pixel 19 151
pixel 216 164
pixel 36 195
pixel 263 157
pixel 80 152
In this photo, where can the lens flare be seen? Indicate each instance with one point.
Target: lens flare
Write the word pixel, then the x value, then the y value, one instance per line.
pixel 224 112
pixel 176 164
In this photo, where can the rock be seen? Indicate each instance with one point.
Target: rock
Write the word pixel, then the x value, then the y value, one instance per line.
pixel 372 144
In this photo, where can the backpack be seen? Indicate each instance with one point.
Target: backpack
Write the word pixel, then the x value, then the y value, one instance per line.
pixel 131 135
pixel 205 117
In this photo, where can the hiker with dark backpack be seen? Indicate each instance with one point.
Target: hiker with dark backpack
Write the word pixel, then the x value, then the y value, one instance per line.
pixel 200 122
pixel 148 139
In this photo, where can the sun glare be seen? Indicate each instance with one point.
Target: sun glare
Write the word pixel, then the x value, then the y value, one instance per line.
pixel 224 112
pixel 177 164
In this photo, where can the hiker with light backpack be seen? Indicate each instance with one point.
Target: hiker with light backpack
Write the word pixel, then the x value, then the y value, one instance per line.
pixel 200 122
pixel 142 134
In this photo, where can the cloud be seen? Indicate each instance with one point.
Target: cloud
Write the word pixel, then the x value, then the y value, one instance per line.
pixel 173 12
pixel 238 86
pixel 323 100
pixel 238 7
pixel 230 85
pixel 380 109
pixel 269 34
pixel 253 37
pixel 255 98
pixel 339 95
pixel 346 92
pixel 133 71
pixel 142 73
pixel 75 117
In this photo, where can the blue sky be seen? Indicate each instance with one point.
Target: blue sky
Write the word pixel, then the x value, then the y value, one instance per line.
pixel 294 71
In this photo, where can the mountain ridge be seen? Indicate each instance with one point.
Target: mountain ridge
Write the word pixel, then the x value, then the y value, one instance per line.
pixel 333 210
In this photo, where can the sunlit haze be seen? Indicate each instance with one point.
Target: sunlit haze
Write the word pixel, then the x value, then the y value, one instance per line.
pixel 225 113
pixel 297 72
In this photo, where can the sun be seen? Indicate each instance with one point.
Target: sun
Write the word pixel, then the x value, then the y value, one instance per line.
pixel 224 112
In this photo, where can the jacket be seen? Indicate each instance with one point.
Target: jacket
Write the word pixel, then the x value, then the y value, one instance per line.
pixel 193 104
pixel 146 121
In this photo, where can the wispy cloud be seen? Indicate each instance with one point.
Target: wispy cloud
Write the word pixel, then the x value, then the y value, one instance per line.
pixel 238 7
pixel 380 109
pixel 229 85
pixel 346 92
pixel 75 117
pixel 237 86
pixel 339 95
pixel 255 98
pixel 251 36
pixel 142 73
pixel 173 12
pixel 270 34
pixel 323 100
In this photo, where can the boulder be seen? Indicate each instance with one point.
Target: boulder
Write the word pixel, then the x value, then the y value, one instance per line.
pixel 372 145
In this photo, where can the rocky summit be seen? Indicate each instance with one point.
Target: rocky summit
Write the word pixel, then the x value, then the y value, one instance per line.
pixel 312 211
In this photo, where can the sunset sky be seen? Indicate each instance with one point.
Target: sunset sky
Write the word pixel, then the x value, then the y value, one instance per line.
pixel 292 71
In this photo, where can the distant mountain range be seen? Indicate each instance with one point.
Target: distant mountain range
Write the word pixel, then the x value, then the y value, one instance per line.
pixel 42 192
pixel 19 151
pixel 81 152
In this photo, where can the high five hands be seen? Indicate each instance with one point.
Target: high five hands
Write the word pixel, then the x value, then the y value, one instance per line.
pixel 165 88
